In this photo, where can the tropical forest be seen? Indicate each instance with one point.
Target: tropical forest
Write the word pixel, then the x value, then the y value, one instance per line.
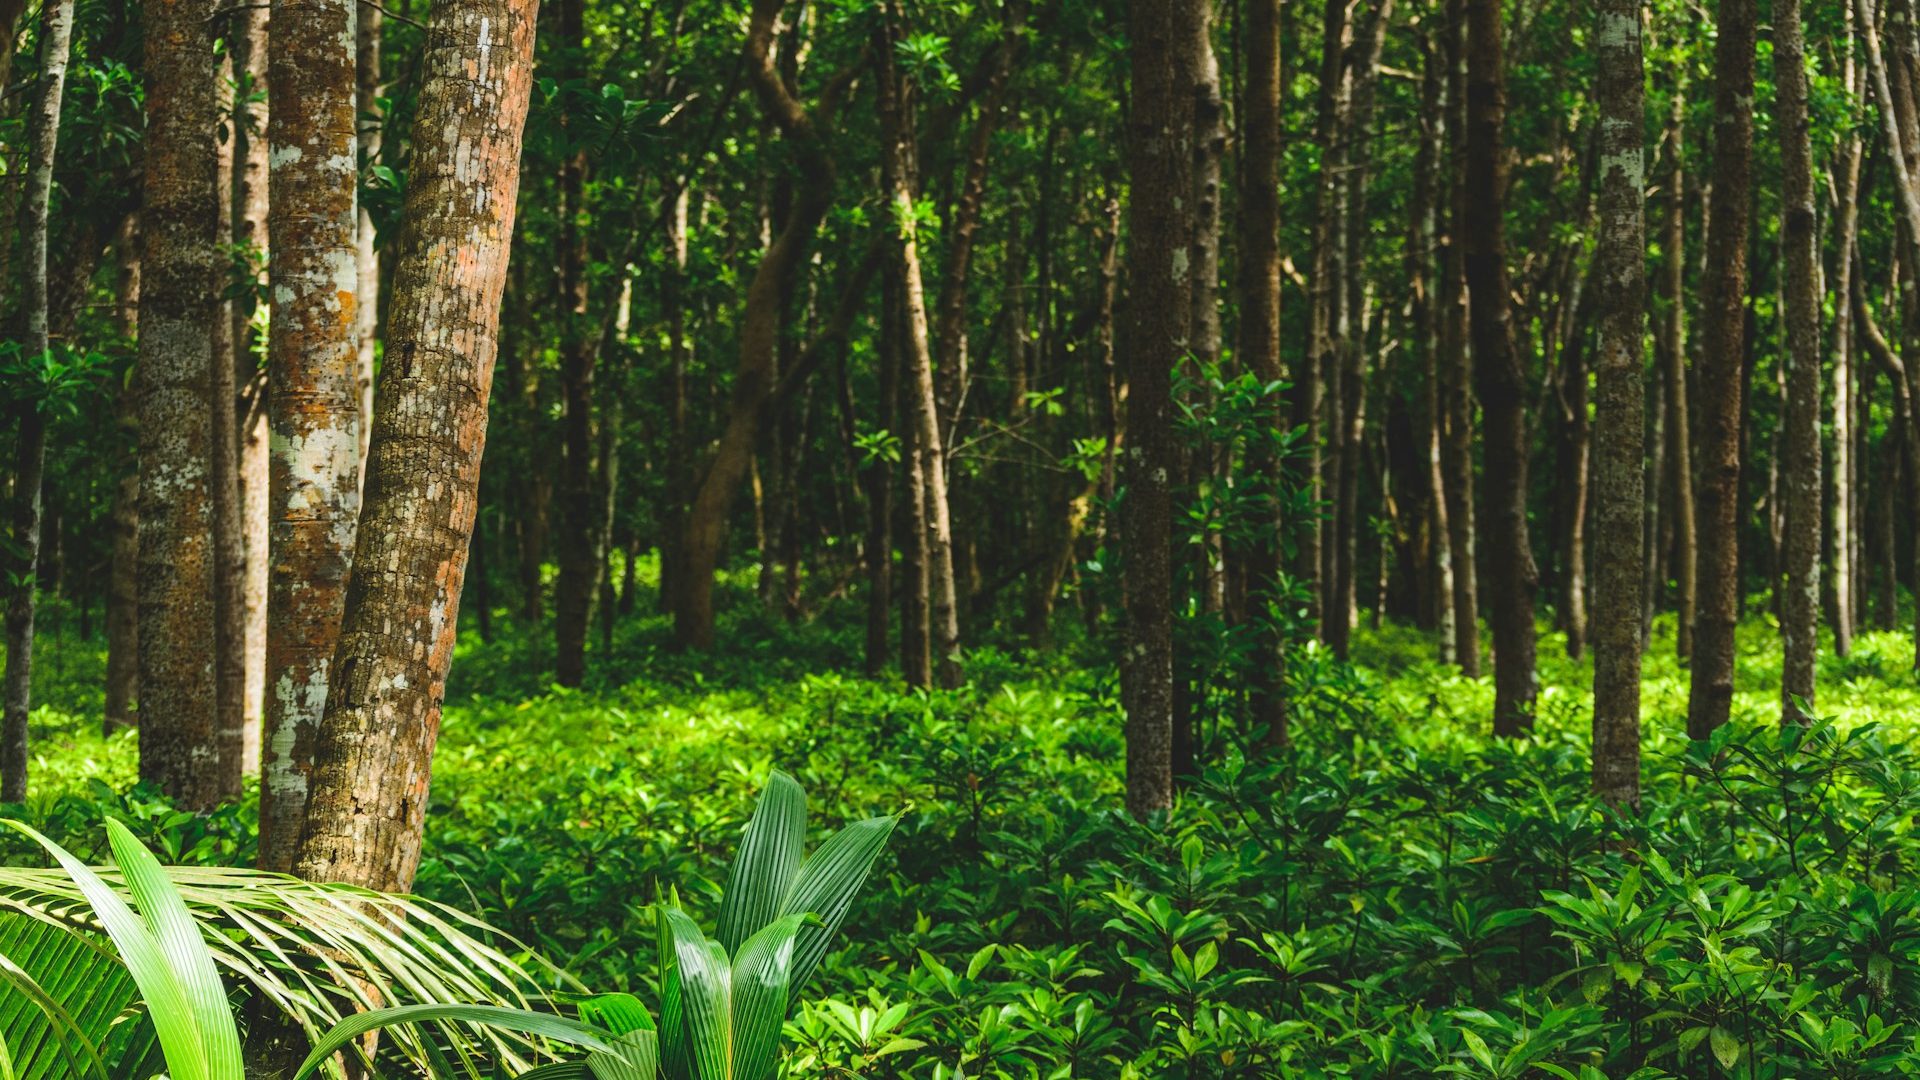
pixel 959 539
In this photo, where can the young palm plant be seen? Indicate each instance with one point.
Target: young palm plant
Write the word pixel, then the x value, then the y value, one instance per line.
pixel 115 973
pixel 725 999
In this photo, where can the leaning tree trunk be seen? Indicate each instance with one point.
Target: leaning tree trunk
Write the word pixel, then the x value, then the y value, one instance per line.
pixel 373 757
pixel 896 138
pixel 1499 377
pixel 760 324
pixel 1161 122
pixel 314 400
pixel 1619 435
pixel 56 33
pixel 178 304
pixel 1800 609
pixel 1721 374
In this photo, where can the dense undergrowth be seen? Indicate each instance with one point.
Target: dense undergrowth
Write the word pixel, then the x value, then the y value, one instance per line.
pixel 1396 896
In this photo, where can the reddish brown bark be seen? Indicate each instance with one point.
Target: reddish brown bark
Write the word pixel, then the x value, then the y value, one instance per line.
pixel 373 758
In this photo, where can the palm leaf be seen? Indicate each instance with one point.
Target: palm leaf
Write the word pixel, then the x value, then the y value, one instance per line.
pixel 768 861
pixel 546 1025
pixel 825 887
pixel 761 973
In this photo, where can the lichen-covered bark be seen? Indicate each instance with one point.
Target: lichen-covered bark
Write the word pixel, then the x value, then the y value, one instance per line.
pixel 1499 376
pixel 367 797
pixel 177 309
pixel 313 399
pixel 1619 421
pixel 1162 35
pixel 1800 257
pixel 1721 376
pixel 30 451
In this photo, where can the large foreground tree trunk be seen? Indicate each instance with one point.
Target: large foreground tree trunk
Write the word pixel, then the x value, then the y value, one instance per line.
pixel 1499 377
pixel 1619 504
pixel 374 755
pixel 30 455
pixel 1722 380
pixel 314 400
pixel 177 308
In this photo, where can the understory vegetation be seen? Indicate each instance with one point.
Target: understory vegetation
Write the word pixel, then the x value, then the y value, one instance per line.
pixel 1397 895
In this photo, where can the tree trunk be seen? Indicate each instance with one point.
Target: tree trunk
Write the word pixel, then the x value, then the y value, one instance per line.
pixel 1425 319
pixel 1259 349
pixel 897 145
pixel 123 589
pixel 250 169
pixel 1721 378
pixel 1678 420
pixel 760 324
pixel 229 571
pixel 1456 363
pixel 580 542
pixel 1326 291
pixel 1800 256
pixel 1619 437
pixel 372 760
pixel 1499 376
pixel 177 308
pixel 314 398
pixel 56 33
pixel 1163 33
pixel 916 632
pixel 1844 181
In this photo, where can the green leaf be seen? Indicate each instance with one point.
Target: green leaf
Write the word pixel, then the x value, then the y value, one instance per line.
pixel 1726 1048
pixel 1477 1046
pixel 706 992
pixel 761 975
pixel 826 886
pixel 546 1025
pixel 618 1013
pixel 764 871
pixel 173 1018
pixel 185 950
pixel 635 1056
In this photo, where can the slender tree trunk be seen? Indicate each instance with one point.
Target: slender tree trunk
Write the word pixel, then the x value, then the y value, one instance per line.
pixel 368 798
pixel 916 631
pixel 1678 421
pixel 177 308
pixel 250 169
pixel 1322 360
pixel 1619 504
pixel 123 590
pixel 1163 33
pixel 876 476
pixel 1574 482
pixel 1800 257
pixel 313 356
pixel 1456 362
pixel 1259 349
pixel 1845 183
pixel 1499 376
pixel 673 519
pixel 1425 319
pixel 229 571
pixel 897 136
pixel 579 533
pixel 30 452
pixel 1721 381
pixel 760 325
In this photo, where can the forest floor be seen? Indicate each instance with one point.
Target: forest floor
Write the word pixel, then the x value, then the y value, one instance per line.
pixel 1398 895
